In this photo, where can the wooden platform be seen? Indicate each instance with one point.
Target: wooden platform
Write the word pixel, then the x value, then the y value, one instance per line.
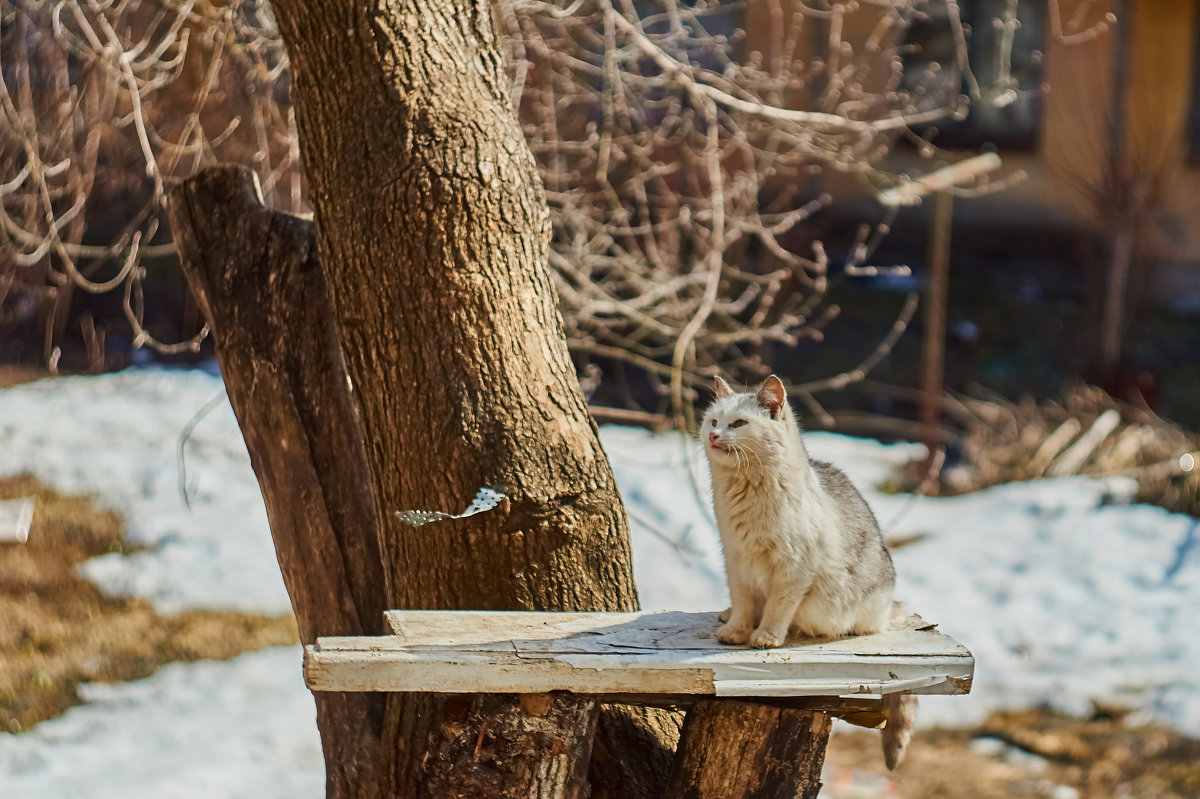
pixel 672 655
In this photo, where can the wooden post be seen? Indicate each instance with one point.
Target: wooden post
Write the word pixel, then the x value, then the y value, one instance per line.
pixel 739 750
pixel 940 184
pixel 934 349
pixel 1121 233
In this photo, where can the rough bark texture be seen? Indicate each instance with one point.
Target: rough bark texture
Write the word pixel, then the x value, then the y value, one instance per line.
pixel 434 230
pixel 494 747
pixel 256 276
pixel 739 750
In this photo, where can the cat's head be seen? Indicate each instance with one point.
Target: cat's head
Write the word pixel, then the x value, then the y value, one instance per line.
pixel 751 422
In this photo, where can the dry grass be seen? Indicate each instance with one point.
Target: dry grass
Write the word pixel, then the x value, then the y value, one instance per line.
pixel 1086 433
pixel 58 630
pixel 1101 758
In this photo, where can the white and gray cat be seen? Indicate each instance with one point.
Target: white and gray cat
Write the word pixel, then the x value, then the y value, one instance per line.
pixel 803 551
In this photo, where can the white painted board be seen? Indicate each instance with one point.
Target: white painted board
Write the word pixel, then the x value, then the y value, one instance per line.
pixel 669 652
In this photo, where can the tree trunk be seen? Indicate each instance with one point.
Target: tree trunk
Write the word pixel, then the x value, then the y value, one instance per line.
pixel 433 230
pixel 257 278
pixel 739 750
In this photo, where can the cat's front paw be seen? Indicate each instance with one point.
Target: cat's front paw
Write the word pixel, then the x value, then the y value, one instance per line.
pixel 724 615
pixel 763 639
pixel 733 633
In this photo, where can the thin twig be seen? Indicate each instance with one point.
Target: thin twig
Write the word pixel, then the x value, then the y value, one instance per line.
pixel 185 434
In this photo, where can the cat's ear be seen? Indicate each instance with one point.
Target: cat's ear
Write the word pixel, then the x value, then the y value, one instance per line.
pixel 721 388
pixel 772 396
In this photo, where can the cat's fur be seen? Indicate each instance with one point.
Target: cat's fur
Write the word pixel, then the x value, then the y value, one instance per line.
pixel 802 548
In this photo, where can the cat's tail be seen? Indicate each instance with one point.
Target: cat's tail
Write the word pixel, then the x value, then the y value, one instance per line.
pixel 901 710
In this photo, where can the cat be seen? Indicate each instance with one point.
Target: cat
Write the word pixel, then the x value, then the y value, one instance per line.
pixel 803 551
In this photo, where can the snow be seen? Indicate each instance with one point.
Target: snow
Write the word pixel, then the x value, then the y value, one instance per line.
pixel 117 437
pixel 243 728
pixel 1063 593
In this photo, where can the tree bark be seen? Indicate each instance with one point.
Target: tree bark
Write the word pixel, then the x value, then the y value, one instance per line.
pixel 433 230
pixel 739 750
pixel 257 278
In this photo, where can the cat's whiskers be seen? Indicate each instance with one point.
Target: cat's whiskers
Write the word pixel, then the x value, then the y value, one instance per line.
pixel 729 448
pixel 756 455
pixel 744 448
pixel 734 449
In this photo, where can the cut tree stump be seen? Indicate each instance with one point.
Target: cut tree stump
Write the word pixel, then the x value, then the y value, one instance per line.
pixel 759 718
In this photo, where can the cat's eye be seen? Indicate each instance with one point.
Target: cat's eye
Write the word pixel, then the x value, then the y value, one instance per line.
pixel 737 423
pixel 713 423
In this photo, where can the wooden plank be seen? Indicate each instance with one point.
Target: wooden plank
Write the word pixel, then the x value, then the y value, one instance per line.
pixel 599 633
pixel 665 654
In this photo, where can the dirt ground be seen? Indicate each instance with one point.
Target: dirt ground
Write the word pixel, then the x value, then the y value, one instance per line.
pixel 58 630
pixel 1033 753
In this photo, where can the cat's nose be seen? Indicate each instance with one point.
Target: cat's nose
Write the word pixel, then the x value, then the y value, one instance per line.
pixel 713 436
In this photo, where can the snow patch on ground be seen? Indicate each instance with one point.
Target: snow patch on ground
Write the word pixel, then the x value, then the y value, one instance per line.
pixel 1061 596
pixel 116 437
pixel 242 728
